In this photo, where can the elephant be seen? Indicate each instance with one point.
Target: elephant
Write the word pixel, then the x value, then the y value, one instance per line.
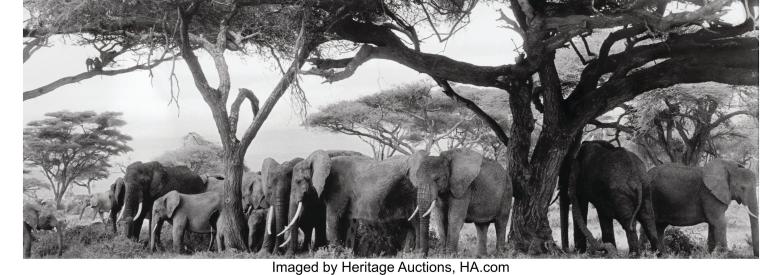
pixel 145 183
pixel 100 203
pixel 39 216
pixel 684 196
pixel 117 190
pixel 353 188
pixel 214 183
pixel 462 186
pixel 256 223
pixel 195 213
pixel 276 184
pixel 614 180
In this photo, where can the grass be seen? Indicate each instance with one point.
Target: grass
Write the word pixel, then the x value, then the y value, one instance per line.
pixel 91 239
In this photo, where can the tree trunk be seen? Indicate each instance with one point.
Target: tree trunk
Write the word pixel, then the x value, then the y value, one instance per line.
pixel 232 225
pixel 530 230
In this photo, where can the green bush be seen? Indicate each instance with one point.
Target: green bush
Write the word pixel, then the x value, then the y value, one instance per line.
pixel 679 243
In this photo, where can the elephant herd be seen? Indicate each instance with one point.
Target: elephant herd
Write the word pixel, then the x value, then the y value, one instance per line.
pixel 617 184
pixel 333 197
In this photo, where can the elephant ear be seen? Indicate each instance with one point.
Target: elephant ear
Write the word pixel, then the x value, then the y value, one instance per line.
pixel 465 166
pixel 414 163
pixel 171 202
pixel 320 163
pixel 715 177
pixel 30 213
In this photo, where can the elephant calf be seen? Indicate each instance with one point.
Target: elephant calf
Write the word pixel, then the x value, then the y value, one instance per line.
pixel 40 217
pixel 195 213
pixel 100 203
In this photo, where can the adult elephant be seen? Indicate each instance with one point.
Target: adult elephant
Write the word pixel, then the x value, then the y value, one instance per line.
pixel 275 187
pixel 614 180
pixel 684 196
pixel 146 182
pixel 462 186
pixel 352 187
pixel 40 217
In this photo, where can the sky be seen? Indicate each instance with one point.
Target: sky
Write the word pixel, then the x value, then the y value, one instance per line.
pixel 157 125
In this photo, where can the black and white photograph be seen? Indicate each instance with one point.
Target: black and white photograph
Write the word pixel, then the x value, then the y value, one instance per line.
pixel 388 129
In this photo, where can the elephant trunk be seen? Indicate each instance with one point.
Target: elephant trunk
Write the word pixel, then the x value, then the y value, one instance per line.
pixel 293 228
pixel 752 205
pixel 130 212
pixel 280 220
pixel 425 199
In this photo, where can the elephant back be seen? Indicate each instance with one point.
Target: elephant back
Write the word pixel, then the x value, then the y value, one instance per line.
pixel 182 179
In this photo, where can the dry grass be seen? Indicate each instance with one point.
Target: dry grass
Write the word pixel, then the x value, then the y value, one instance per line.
pixel 91 239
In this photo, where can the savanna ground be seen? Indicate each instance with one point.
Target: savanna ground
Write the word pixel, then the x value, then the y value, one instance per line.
pixel 91 239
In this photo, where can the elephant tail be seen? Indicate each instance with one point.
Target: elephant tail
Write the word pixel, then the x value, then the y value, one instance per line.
pixel 639 200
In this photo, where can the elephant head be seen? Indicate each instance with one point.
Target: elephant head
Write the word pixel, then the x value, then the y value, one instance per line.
pixel 252 188
pixel 213 183
pixel 43 217
pixel 276 190
pixel 162 210
pixel 728 181
pixel 447 175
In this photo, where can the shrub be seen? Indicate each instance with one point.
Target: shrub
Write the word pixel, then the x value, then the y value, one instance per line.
pixel 678 243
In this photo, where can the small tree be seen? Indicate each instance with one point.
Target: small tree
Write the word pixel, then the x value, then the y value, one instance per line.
pixel 74 146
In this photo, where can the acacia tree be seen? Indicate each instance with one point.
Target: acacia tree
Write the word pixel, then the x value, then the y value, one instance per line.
pixel 71 146
pixel 662 49
pixel 122 46
pixel 687 123
pixel 411 116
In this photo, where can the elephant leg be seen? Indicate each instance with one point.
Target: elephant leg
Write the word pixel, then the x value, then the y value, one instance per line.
pixel 720 224
pixel 178 233
pixel 661 236
pixel 481 229
pixel 579 240
pixel 410 237
pixel 632 238
pixel 606 227
pixel 332 226
pixel 710 239
pixel 500 226
pixel 27 240
pixel 136 228
pixel 305 246
pixel 320 236
pixel 649 229
pixel 102 220
pixel 441 223
pixel 457 211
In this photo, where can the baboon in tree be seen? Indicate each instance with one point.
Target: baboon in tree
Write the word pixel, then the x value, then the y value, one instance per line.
pixel 89 64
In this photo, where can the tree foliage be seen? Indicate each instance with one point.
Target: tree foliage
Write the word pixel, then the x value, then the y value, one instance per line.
pixel 414 117
pixel 72 146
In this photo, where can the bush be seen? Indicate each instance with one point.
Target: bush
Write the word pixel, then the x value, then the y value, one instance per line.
pixel 678 243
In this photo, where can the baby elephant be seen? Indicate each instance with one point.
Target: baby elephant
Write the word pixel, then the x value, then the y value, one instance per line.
pixel 195 213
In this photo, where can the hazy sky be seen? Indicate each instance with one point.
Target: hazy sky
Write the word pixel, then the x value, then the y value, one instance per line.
pixel 157 126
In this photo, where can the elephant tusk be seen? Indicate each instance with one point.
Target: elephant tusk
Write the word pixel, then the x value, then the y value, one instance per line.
pixel 285 243
pixel 269 220
pixel 413 215
pixel 293 221
pixel 249 210
pixel 429 210
pixel 138 214
pixel 54 229
pixel 750 213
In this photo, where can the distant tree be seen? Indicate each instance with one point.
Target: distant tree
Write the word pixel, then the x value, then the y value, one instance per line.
pixel 200 155
pixel 409 117
pixel 31 185
pixel 74 146
pixel 98 171
pixel 686 123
